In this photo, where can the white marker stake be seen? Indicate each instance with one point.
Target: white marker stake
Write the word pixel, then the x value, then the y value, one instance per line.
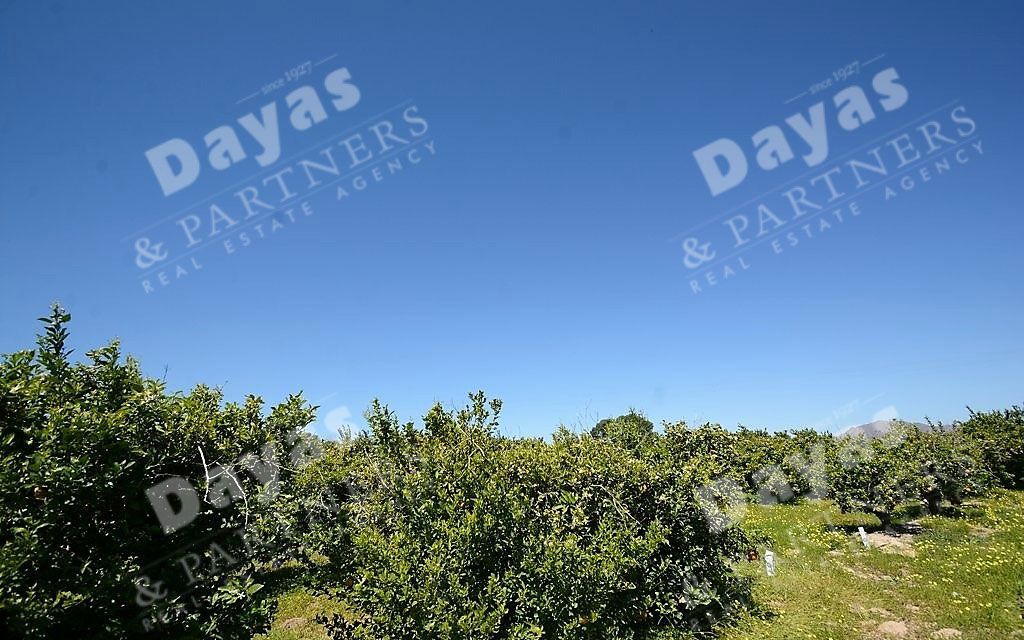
pixel 864 537
pixel 769 563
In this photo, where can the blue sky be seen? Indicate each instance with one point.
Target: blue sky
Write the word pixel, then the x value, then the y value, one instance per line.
pixel 536 255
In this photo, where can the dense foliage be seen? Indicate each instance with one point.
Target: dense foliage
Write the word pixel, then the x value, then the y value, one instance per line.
pixel 456 532
pixel 81 443
pixel 442 530
pixel 1000 437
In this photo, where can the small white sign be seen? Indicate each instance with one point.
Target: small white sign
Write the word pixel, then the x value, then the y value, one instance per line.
pixel 864 537
pixel 769 562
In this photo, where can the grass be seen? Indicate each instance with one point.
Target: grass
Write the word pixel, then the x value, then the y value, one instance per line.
pixel 296 611
pixel 966 573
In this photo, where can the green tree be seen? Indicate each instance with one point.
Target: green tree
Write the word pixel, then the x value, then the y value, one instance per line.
pixel 1000 435
pixel 878 474
pixel 632 431
pixel 81 443
pixel 457 532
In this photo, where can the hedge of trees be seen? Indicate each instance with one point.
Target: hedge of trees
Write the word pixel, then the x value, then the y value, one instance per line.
pixel 81 444
pixel 126 510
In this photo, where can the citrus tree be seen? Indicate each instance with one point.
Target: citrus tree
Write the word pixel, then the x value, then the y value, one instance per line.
pixel 82 445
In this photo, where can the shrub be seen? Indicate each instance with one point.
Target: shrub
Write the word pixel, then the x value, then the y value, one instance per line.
pixel 81 443
pixel 953 467
pixel 631 431
pixel 877 474
pixel 771 467
pixel 1000 436
pixel 709 450
pixel 774 466
pixel 457 532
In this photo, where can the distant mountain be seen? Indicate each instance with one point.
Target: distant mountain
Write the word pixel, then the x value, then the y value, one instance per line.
pixel 879 428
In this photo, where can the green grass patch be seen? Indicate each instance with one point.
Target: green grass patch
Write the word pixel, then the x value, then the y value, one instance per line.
pixel 296 613
pixel 964 573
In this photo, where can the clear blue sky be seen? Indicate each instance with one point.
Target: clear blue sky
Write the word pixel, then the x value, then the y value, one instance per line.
pixel 537 255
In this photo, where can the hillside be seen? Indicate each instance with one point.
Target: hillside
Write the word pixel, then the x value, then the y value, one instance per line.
pixel 881 427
